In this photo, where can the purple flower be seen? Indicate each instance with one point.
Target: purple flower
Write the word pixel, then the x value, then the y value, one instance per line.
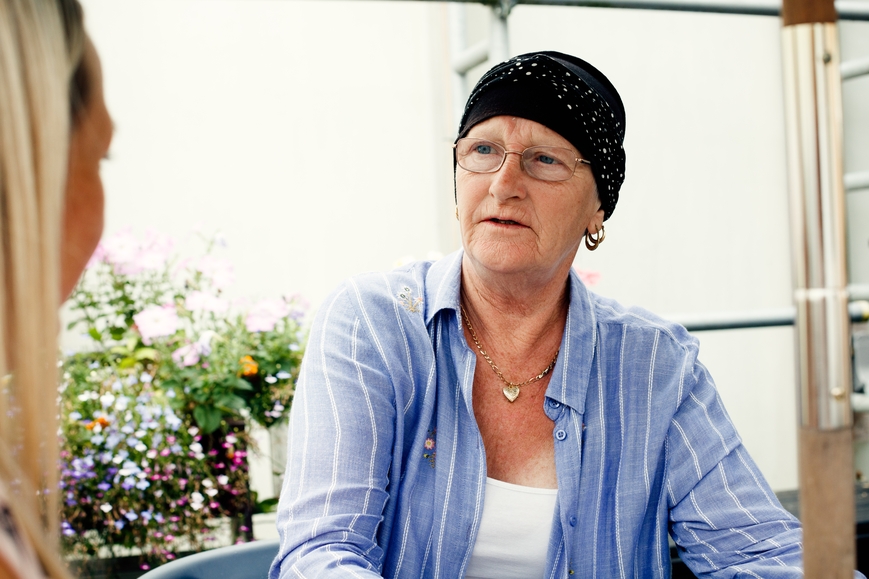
pixel 119 524
pixel 113 440
pixel 172 421
pixel 66 529
pixel 104 486
pixel 131 516
pixel 156 321
pixel 263 316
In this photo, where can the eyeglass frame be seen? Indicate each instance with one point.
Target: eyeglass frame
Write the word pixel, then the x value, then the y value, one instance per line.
pixel 579 160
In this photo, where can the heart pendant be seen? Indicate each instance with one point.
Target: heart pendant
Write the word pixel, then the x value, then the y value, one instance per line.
pixel 511 393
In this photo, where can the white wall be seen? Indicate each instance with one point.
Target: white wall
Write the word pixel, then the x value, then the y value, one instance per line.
pixel 316 135
pixel 304 130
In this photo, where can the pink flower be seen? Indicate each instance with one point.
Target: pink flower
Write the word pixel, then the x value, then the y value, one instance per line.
pixel 588 277
pixel 121 250
pixel 265 314
pixel 98 256
pixel 130 256
pixel 154 251
pixel 156 321
pixel 218 270
pixel 186 355
pixel 201 301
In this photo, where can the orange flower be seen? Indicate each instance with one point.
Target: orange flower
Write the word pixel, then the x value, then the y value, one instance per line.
pixel 249 367
pixel 102 421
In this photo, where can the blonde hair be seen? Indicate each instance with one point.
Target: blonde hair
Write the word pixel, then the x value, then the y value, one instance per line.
pixel 41 45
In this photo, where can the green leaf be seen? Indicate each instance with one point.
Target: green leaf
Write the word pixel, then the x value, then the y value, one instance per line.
pixel 207 417
pixel 231 401
pixel 117 332
pixel 95 334
pixel 267 505
pixel 147 354
pixel 127 362
pixel 242 384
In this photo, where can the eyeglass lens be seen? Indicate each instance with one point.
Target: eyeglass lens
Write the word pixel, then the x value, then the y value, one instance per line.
pixel 544 163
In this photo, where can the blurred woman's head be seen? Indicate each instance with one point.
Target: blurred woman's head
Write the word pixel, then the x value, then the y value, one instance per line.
pixel 88 146
pixel 46 92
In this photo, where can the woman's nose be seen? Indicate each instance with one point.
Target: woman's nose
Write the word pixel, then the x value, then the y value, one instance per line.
pixel 509 180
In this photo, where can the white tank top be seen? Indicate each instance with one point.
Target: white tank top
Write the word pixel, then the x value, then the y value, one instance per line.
pixel 514 532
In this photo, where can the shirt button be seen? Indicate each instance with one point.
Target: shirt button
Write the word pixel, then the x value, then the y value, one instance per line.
pixel 572 521
pixel 554 403
pixel 560 435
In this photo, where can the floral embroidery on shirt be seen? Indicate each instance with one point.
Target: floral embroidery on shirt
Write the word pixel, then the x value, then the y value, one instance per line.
pixel 430 447
pixel 406 299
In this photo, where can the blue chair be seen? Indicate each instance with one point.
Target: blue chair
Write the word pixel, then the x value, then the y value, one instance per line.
pixel 243 561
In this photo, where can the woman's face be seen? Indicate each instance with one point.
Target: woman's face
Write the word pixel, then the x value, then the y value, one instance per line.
pixel 514 223
pixel 83 206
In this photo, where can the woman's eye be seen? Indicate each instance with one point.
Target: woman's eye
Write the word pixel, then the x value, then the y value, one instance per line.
pixel 483 149
pixel 546 160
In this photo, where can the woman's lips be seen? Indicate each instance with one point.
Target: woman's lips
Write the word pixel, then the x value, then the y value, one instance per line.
pixel 504 221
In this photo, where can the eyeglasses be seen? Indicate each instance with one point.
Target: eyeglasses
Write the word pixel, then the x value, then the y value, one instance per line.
pixel 544 163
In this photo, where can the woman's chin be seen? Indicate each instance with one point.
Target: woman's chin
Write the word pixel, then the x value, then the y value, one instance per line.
pixel 503 259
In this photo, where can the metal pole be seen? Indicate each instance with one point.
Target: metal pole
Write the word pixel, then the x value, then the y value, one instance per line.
pixel 499 39
pixel 813 106
pixel 458 42
pixel 848 9
pixel 858 311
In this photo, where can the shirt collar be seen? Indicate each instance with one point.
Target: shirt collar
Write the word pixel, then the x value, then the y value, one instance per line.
pixel 443 283
pixel 572 372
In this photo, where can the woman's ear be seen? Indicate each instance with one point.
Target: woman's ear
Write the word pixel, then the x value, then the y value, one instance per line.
pixel 596 222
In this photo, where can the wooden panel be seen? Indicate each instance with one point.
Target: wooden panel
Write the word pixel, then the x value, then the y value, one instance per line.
pixel 827 503
pixel 807 11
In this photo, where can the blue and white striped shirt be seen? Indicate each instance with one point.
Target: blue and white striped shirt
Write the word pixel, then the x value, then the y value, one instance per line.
pixel 386 467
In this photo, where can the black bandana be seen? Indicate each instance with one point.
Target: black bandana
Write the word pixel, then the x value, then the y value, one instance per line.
pixel 567 95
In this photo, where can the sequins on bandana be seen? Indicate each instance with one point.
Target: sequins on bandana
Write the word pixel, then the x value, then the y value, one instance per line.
pixel 590 115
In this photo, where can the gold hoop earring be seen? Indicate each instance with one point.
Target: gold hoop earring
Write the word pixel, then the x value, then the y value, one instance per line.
pixel 593 241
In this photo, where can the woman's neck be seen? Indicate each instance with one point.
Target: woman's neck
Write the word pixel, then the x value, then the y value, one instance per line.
pixel 528 312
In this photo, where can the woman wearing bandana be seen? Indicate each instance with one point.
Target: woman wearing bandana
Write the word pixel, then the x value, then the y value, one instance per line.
pixel 486 415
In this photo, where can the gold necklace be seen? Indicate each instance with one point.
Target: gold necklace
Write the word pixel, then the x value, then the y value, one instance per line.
pixel 511 389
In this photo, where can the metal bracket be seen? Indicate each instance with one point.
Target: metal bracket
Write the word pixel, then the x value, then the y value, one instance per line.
pixel 504 7
pixel 860 343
